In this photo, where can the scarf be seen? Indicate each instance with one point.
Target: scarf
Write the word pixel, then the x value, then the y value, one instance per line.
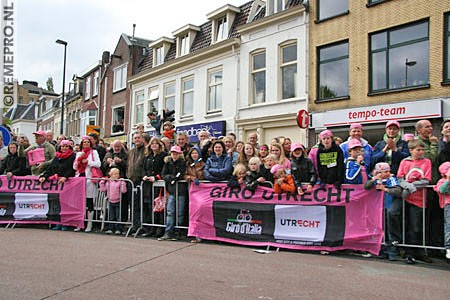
pixel 388 156
pixel 81 168
pixel 64 155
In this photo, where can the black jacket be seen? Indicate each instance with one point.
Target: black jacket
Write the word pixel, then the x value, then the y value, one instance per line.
pixel 62 167
pixel 14 164
pixel 122 166
pixel 153 166
pixel 330 164
pixel 303 170
pixel 172 172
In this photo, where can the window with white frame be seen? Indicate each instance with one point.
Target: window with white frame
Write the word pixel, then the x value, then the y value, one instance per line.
pixel 96 81
pixel 120 78
pixel 215 78
pixel 169 96
pixel 275 6
pixel 222 29
pixel 184 45
pixel 159 56
pixel 139 112
pixel 153 101
pixel 288 66
pixel 187 104
pixel 87 118
pixel 87 93
pixel 258 77
pixel 118 117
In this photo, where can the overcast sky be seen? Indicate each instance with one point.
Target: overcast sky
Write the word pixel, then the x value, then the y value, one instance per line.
pixel 91 27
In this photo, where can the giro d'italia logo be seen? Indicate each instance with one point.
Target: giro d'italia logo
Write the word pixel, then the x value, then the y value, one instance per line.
pixel 244 224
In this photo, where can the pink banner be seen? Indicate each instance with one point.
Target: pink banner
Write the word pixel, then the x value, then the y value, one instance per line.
pixel 23 199
pixel 323 219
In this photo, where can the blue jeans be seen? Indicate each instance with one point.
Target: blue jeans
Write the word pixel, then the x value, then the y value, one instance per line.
pixel 114 216
pixel 414 230
pixel 447 226
pixel 172 212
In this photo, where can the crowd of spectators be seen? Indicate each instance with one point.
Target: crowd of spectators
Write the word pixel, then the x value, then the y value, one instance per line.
pixel 400 167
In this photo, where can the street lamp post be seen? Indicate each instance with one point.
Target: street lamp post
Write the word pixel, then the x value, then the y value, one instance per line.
pixel 61 42
pixel 408 63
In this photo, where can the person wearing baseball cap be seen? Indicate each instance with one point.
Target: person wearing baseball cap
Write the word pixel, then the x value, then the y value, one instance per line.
pixel 173 171
pixel 355 172
pixel 392 149
pixel 356 132
pixel 40 143
pixel 302 168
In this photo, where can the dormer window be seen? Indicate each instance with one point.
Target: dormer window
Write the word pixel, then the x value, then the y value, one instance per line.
pixel 159 56
pixel 160 48
pixel 275 6
pixel 185 36
pixel 221 21
pixel 222 29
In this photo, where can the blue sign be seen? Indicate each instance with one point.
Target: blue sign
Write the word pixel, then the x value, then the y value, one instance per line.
pixel 215 129
pixel 6 135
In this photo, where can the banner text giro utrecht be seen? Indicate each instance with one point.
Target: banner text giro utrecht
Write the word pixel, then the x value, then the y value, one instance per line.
pixel 23 199
pixel 323 219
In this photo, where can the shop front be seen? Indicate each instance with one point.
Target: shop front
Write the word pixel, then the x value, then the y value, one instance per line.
pixel 374 118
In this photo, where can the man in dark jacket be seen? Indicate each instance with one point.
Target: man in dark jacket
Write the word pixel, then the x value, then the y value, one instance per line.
pixel 392 149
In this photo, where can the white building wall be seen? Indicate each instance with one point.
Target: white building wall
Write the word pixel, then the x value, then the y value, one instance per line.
pixel 229 65
pixel 263 117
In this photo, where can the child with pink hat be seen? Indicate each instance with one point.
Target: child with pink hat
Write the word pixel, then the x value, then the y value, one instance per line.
pixel 442 187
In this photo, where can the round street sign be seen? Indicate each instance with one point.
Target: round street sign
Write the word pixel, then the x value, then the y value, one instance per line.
pixel 303 119
pixel 6 136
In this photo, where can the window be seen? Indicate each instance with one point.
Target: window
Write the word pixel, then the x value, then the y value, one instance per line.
pixel 259 77
pixel 87 118
pixel 399 58
pixel 95 89
pixel 447 48
pixel 331 8
pixel 153 100
pixel 187 104
pixel 215 90
pixel 120 78
pixel 333 73
pixel 222 29
pixel 139 115
pixel 289 71
pixel 87 95
pixel 159 56
pixel 169 96
pixel 118 116
pixel 275 6
pixel 184 44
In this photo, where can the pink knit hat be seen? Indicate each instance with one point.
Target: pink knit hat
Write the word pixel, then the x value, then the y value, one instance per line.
pixel 276 168
pixel 444 168
pixel 355 125
pixel 65 143
pixel 380 167
pixel 325 133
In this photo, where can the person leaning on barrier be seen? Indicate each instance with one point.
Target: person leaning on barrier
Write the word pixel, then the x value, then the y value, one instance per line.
pixel 12 164
pixel 84 161
pixel 302 168
pixel 61 168
pixel 194 166
pixel 135 172
pixel 264 170
pixel 384 181
pixel 218 167
pixel 152 163
pixel 49 152
pixel 174 170
pixel 442 187
pixel 414 173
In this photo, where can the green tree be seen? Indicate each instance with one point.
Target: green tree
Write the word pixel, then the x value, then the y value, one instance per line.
pixel 50 84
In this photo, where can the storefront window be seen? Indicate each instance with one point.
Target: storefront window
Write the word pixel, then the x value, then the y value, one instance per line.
pixel 399 57
pixel 333 71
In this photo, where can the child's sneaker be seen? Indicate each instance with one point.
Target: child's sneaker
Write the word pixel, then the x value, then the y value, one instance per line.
pixel 410 260
pixel 109 231
pixel 64 228
pixel 117 232
pixel 167 237
pixel 57 227
pixel 447 255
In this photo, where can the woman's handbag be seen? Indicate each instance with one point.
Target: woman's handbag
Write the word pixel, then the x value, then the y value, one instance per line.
pixel 159 203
